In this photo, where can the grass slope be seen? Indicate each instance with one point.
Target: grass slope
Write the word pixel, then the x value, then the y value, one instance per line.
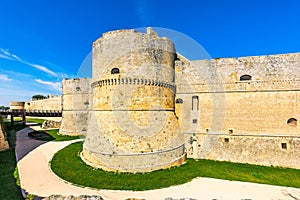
pixel 58 137
pixel 51 135
pixel 8 186
pixel 67 164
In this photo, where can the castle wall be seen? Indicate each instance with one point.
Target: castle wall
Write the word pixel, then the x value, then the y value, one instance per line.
pixel 53 103
pixel 76 99
pixel 259 105
pixel 266 150
pixel 247 111
pixel 142 108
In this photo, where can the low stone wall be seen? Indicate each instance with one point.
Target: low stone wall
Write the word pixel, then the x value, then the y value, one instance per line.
pixel 268 150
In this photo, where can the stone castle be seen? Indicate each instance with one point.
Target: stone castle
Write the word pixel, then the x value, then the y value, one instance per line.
pixel 146 107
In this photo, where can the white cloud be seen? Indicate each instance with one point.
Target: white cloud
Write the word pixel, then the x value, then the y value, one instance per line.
pixel 43 68
pixel 4 77
pixel 5 52
pixel 54 85
pixel 7 55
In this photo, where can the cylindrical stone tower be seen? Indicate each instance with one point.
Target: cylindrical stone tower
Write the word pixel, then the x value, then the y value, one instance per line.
pixel 133 126
pixel 75 106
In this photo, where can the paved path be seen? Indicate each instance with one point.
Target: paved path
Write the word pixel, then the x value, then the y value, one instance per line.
pixel 25 144
pixel 37 178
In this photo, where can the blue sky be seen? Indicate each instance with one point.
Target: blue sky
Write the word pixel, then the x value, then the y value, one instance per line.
pixel 42 42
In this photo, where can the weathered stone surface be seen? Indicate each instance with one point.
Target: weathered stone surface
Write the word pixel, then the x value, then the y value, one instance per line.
pixel 71 197
pixel 141 102
pixel 132 125
pixel 253 114
pixel 3 142
pixel 76 100
pixel 50 124
pixel 52 103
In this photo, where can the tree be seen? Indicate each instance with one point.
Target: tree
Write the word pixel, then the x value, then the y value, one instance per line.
pixel 4 107
pixel 38 96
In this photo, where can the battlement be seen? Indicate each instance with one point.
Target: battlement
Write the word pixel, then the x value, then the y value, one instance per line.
pixel 76 85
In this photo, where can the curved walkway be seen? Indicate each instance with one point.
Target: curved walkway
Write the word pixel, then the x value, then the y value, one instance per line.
pixel 37 178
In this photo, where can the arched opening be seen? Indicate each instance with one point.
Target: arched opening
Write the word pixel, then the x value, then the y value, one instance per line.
pixel 245 78
pixel 115 71
pixel 292 122
pixel 179 100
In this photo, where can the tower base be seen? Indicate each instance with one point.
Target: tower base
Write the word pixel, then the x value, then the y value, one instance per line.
pixel 135 163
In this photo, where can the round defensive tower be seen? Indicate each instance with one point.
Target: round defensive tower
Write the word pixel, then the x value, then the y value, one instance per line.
pixel 133 126
pixel 75 106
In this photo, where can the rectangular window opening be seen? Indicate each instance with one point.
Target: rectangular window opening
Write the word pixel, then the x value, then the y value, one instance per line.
pixel 195 103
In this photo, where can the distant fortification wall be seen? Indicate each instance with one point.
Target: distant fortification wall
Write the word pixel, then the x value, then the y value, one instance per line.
pixel 252 101
pixel 53 103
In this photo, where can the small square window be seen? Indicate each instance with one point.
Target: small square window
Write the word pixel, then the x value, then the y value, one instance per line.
pixel 230 131
pixel 194 121
pixel 283 145
pixel 226 140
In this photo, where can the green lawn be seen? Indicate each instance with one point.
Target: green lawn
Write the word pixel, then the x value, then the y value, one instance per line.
pixel 8 187
pixel 54 136
pixel 34 120
pixel 68 165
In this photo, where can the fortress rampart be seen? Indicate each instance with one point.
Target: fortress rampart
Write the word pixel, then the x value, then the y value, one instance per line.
pixel 247 108
pixel 53 103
